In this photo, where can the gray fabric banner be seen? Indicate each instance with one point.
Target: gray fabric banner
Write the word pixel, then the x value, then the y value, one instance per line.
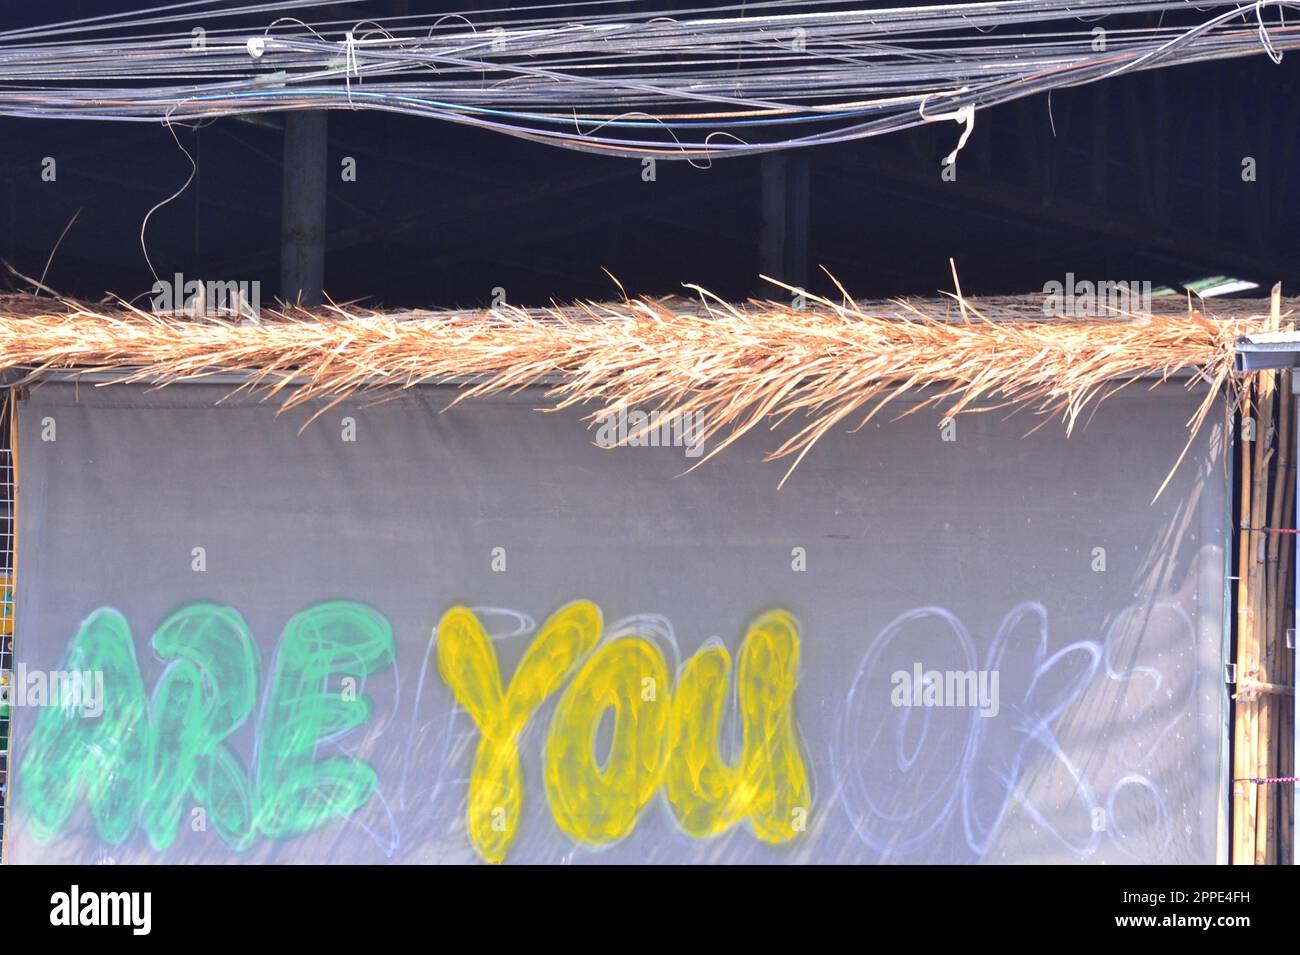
pixel 934 644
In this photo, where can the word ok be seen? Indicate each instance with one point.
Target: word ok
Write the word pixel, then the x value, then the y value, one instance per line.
pixel 661 736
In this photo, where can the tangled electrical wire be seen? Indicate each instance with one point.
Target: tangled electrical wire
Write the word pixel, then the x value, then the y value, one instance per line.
pixel 692 84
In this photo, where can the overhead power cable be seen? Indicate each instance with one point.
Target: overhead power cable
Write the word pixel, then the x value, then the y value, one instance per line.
pixel 698 83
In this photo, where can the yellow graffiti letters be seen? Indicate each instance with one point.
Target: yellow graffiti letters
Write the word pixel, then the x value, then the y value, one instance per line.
pixel 467 662
pixel 658 736
pixel 595 803
pixel 769 783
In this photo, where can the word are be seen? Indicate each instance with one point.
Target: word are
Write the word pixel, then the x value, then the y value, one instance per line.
pixel 148 758
pixel 975 688
pixel 662 737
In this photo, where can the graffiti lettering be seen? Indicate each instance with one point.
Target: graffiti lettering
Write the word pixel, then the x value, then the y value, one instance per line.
pixel 594 804
pixel 146 760
pixel 661 737
pixel 769 784
pixel 140 761
pixel 468 663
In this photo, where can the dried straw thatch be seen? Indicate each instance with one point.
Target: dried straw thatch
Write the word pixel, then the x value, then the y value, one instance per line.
pixel 807 370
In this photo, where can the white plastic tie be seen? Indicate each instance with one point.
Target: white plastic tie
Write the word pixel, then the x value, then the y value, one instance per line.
pixel 965 115
pixel 350 64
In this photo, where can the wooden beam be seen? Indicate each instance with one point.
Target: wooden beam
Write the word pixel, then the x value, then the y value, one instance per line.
pixel 302 212
pixel 783 241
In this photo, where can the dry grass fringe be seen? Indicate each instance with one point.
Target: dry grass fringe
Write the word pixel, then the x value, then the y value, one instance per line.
pixel 805 371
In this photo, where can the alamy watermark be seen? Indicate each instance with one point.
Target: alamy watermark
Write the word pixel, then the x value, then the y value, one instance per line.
pixel 1086 299
pixel 68 689
pixel 223 300
pixel 943 688
pixel 652 429
pixel 78 907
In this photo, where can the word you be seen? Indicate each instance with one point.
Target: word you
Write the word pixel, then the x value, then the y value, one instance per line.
pixel 975 688
pixel 663 736
pixel 75 907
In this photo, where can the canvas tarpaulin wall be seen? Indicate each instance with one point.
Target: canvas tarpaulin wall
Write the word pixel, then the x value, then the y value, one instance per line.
pixel 262 604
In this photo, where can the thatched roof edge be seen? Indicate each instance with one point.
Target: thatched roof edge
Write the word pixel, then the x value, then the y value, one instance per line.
pixel 805 369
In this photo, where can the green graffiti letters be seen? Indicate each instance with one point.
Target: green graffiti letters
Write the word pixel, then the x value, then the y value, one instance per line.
pixel 207 692
pixel 327 641
pixel 145 762
pixel 106 756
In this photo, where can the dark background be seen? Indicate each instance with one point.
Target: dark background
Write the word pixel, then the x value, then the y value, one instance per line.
pixel 1140 180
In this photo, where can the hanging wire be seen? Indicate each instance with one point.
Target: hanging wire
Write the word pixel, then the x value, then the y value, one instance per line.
pixel 701 82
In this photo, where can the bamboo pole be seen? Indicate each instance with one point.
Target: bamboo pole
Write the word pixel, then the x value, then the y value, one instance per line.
pixel 1286 620
pixel 1261 601
pixel 1275 655
pixel 1265 740
pixel 1263 727
pixel 1246 434
pixel 1257 603
pixel 1266 611
pixel 11 396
